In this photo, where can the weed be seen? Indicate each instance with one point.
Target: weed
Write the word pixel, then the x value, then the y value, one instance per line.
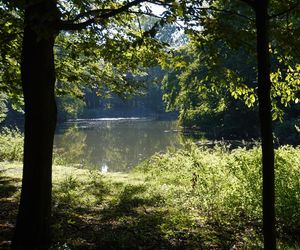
pixel 11 141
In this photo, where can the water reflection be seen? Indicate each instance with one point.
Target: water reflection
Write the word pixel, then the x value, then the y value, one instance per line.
pixel 114 144
pixel 104 168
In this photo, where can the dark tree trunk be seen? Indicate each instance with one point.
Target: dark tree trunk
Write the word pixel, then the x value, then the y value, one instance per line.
pixel 264 98
pixel 38 80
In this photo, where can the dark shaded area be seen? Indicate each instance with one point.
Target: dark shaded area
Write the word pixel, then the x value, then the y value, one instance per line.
pixel 127 224
pixel 8 209
pixel 7 189
pixel 137 223
pixel 130 220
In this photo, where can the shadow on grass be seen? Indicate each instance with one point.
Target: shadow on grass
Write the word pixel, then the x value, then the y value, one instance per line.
pixel 132 221
pixel 134 218
pixel 128 218
pixel 7 186
pixel 8 209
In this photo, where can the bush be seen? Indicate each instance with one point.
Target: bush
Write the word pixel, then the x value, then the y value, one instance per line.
pixel 11 141
pixel 80 189
pixel 224 186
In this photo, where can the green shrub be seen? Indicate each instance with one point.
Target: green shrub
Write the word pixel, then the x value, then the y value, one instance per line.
pixel 288 186
pixel 11 141
pixel 225 186
pixel 80 189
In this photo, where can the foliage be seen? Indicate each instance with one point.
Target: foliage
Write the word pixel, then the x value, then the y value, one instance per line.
pixel 11 141
pixel 81 61
pixel 10 51
pixel 286 86
pixel 225 187
pixel 218 64
pixel 106 56
pixel 205 92
pixel 69 107
pixel 146 101
pixel 77 190
pixel 186 199
pixel 3 107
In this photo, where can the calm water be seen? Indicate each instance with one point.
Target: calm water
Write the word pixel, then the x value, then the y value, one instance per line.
pixel 114 144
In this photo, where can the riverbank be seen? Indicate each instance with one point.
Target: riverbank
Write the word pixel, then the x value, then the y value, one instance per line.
pixel 186 199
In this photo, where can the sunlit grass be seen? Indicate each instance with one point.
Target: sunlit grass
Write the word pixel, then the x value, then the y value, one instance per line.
pixel 220 190
pixel 191 198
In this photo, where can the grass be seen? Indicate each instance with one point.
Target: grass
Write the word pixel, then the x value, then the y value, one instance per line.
pixel 11 141
pixel 221 190
pixel 185 199
pixel 93 211
pixel 193 198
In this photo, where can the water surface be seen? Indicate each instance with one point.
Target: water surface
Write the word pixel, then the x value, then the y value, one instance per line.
pixel 114 144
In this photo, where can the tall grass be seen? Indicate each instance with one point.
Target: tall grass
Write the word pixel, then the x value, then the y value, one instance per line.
pixel 11 148
pixel 11 144
pixel 196 196
pixel 225 186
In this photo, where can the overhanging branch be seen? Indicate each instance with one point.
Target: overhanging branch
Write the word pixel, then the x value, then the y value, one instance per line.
pixel 226 12
pixel 91 13
pixel 98 16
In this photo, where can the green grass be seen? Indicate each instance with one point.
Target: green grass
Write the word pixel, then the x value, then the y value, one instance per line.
pixel 91 210
pixel 11 141
pixel 192 198
pixel 222 189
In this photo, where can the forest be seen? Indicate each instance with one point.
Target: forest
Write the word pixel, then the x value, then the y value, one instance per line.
pixel 149 124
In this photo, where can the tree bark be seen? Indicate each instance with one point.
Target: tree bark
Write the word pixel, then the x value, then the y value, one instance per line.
pixel 38 79
pixel 264 98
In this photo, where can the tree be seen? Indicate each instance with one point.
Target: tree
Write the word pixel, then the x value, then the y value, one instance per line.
pixel 43 20
pixel 109 20
pixel 265 117
pixel 38 81
pixel 216 20
pixel 10 44
pixel 206 93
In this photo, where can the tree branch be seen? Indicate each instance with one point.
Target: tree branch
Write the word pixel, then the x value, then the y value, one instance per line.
pixel 225 11
pixel 160 3
pixel 285 11
pixel 90 13
pixel 72 25
pixel 143 13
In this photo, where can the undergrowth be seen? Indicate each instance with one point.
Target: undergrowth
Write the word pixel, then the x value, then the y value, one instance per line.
pixel 223 188
pixel 11 148
pixel 190 198
pixel 11 141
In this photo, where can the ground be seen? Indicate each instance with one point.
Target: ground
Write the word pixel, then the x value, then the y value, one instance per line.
pixel 157 208
pixel 116 212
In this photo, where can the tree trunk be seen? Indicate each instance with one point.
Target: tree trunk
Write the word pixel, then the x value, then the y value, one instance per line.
pixel 38 79
pixel 264 98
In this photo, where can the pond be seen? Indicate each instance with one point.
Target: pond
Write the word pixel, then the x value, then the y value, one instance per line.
pixel 114 144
